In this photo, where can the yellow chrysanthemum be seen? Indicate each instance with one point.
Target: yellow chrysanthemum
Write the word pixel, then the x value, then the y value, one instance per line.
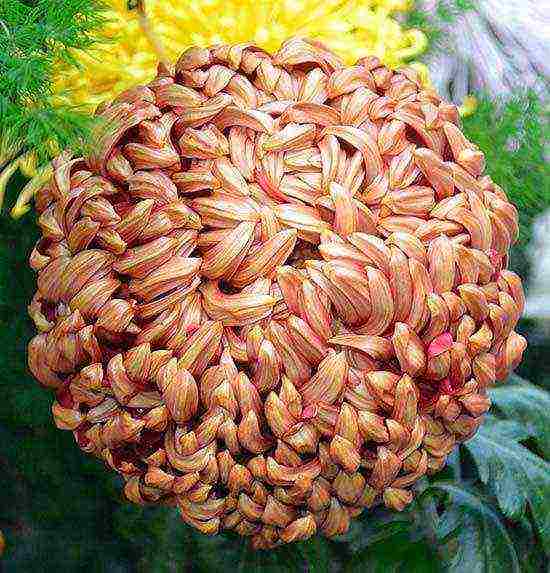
pixel 353 28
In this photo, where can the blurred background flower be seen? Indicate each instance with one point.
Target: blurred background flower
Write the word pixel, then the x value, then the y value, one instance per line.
pixel 352 28
pixel 538 301
pixel 488 46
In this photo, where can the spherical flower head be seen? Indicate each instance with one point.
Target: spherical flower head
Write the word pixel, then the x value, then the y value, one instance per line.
pixel 275 293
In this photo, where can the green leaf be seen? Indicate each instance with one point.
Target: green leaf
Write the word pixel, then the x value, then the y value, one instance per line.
pixel 517 477
pixel 316 553
pixel 527 404
pixel 397 554
pixel 473 534
pixel 527 546
pixel 378 524
pixel 389 542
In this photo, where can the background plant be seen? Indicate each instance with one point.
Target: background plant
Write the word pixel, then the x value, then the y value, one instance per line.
pixel 35 37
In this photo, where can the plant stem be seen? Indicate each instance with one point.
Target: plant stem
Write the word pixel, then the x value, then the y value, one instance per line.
pixel 426 516
pixel 150 34
pixel 454 464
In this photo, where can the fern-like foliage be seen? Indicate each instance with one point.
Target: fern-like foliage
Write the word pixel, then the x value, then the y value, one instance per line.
pixel 35 37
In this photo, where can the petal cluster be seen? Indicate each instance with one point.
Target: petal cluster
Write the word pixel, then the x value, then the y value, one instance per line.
pixel 276 292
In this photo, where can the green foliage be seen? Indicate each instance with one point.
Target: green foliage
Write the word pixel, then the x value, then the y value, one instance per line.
pixel 518 478
pixel 35 37
pixel 490 521
pixel 16 286
pixel 472 533
pixel 528 405
pixel 392 543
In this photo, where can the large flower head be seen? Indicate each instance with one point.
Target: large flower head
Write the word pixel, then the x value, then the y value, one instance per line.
pixel 276 292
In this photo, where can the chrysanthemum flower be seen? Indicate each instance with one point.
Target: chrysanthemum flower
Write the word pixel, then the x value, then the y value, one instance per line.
pixel 275 292
pixel 352 28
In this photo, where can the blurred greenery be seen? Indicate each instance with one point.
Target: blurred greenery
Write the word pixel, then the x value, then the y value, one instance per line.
pixel 62 511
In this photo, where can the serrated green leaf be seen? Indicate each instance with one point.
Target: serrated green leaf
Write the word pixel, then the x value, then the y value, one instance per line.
pixel 517 477
pixel 473 534
pixel 525 403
